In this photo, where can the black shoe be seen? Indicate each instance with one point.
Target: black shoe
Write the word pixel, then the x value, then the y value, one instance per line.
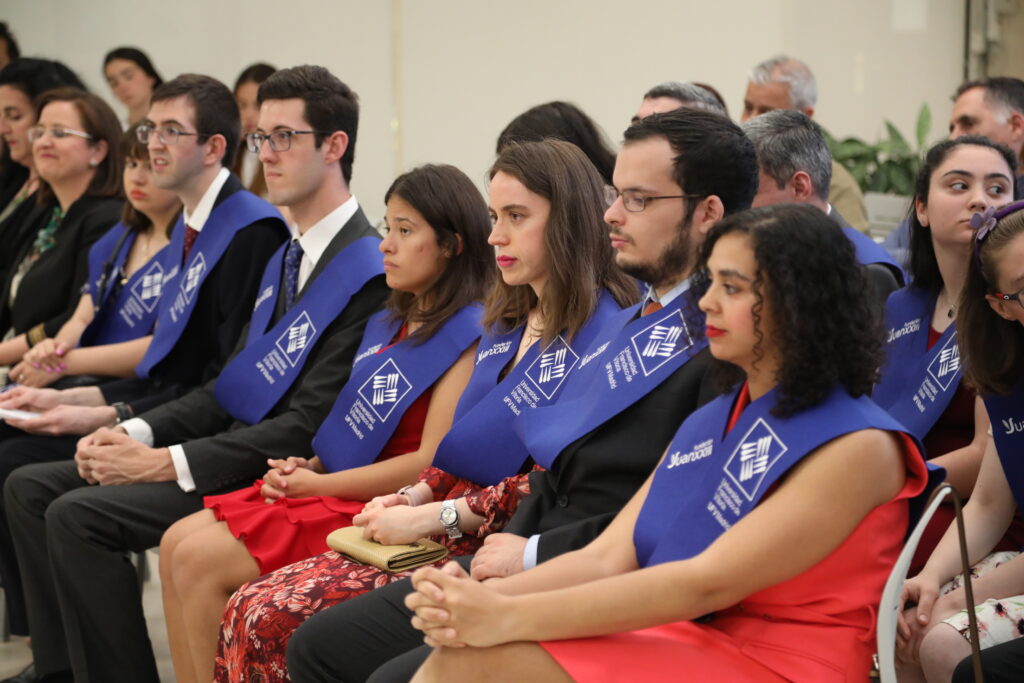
pixel 29 675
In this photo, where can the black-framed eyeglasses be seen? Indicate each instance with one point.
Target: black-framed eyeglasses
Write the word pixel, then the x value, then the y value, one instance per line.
pixel 168 135
pixel 280 140
pixel 1011 297
pixel 635 201
pixel 57 132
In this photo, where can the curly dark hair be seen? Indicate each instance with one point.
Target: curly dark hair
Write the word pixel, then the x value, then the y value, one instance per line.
pixel 826 328
pixel 923 268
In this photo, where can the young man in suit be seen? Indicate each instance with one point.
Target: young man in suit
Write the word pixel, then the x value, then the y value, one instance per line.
pixel 677 174
pixel 197 345
pixel 206 442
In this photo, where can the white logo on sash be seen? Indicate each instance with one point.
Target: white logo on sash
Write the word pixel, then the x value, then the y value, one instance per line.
pixel 147 288
pixel 1011 425
pixel 264 295
pixel 190 282
pixel 661 341
pixel 296 338
pixel 759 449
pixel 945 365
pixel 385 389
pixel 552 366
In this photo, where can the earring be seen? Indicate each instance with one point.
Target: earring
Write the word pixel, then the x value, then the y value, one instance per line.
pixel 93 163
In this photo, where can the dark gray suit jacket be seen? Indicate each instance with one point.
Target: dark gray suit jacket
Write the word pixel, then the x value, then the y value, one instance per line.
pixel 224 453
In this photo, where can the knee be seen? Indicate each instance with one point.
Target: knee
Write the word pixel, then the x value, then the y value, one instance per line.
pixel 941 650
pixel 169 542
pixel 185 563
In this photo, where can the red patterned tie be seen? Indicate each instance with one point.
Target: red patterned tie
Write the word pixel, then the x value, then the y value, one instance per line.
pixel 190 239
pixel 651 307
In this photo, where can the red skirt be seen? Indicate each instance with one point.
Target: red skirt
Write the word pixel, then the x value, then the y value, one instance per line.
pixel 285 531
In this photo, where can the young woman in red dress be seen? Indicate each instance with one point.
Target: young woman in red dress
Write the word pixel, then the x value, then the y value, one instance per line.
pixel 759 548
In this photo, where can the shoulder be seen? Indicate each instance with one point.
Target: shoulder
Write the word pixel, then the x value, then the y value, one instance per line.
pixel 867 460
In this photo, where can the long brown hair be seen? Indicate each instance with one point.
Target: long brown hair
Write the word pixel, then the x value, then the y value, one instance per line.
pixel 454 209
pixel 576 237
pixel 991 348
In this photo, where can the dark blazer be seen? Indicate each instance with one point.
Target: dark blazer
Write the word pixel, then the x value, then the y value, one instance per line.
pixel 596 475
pixel 12 177
pixel 224 453
pixel 50 290
pixel 222 311
pixel 883 277
pixel 17 229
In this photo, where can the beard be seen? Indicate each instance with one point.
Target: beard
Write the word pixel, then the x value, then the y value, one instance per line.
pixel 670 265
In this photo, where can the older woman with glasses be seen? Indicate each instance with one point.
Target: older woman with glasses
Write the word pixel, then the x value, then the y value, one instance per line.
pixel 73 145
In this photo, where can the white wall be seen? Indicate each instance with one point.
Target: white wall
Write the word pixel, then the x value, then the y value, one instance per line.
pixel 439 79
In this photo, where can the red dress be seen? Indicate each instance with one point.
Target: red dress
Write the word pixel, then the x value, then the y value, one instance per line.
pixel 818 626
pixel 293 529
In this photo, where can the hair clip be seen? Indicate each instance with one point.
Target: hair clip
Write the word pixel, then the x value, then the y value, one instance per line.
pixel 983 223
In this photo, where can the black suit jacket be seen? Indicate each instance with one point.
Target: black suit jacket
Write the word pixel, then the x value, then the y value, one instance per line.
pixel 17 230
pixel 224 453
pixel 596 475
pixel 52 287
pixel 222 311
pixel 883 278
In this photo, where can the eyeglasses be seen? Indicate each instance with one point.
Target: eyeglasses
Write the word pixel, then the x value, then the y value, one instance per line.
pixel 635 202
pixel 168 135
pixel 280 140
pixel 57 132
pixel 1011 297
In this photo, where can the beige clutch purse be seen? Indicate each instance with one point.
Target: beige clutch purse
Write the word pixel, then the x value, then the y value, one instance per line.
pixel 349 541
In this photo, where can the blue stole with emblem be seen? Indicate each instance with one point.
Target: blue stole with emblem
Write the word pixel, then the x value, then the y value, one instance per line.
pixel 181 286
pixel 636 355
pixel 132 313
pixel 481 445
pixel 917 383
pixel 868 251
pixel 707 482
pixel 252 382
pixel 1007 416
pixel 383 385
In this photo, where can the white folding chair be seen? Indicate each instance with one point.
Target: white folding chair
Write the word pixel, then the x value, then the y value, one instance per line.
pixel 890 604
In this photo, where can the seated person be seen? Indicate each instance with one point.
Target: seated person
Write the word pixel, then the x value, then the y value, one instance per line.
pixel 934 634
pixel 730 524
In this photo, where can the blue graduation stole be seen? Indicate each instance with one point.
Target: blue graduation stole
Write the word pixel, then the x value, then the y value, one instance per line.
pixel 383 385
pixel 917 383
pixel 868 251
pixel 181 286
pixel 132 313
pixel 252 382
pixel 707 482
pixel 636 354
pixel 1007 416
pixel 481 445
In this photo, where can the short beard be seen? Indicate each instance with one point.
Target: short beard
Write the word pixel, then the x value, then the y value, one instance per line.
pixel 671 265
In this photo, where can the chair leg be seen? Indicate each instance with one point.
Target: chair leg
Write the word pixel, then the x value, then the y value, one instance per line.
pixel 142 568
pixel 5 635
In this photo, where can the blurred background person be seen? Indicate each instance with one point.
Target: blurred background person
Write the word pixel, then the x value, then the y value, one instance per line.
pixel 132 78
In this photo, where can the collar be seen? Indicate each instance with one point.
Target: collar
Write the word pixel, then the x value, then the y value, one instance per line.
pixel 669 296
pixel 198 218
pixel 315 240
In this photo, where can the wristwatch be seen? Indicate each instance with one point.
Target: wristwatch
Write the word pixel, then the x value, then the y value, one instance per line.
pixel 450 519
pixel 123 410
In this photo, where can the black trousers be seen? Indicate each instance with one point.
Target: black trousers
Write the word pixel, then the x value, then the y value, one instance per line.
pixel 73 543
pixel 17 449
pixel 350 641
pixel 999 664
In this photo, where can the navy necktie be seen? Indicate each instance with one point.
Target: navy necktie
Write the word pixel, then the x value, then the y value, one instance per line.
pixel 292 259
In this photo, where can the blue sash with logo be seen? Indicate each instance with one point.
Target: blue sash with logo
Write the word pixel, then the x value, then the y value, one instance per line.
pixel 252 382
pixel 481 445
pixel 868 251
pixel 132 313
pixel 383 385
pixel 917 382
pixel 635 356
pixel 181 286
pixel 707 482
pixel 1007 416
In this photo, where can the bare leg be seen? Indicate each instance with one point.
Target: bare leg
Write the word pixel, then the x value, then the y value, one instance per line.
pixel 511 662
pixel 941 650
pixel 206 568
pixel 176 633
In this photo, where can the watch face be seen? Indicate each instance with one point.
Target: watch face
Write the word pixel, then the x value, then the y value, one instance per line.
pixel 449 516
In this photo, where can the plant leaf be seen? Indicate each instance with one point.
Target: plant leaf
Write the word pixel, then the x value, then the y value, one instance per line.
pixel 898 142
pixel 924 125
